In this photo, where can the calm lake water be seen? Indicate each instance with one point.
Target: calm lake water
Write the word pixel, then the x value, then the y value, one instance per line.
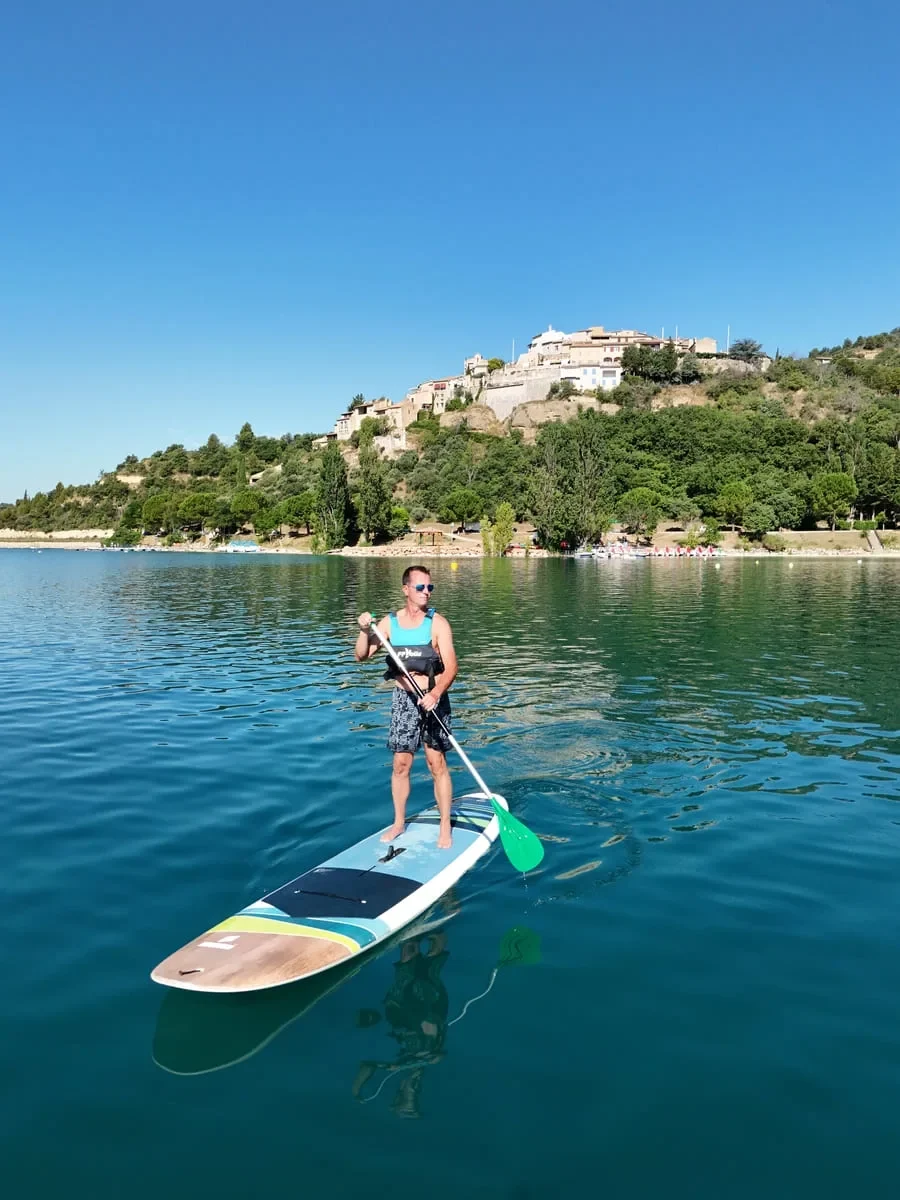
pixel 697 994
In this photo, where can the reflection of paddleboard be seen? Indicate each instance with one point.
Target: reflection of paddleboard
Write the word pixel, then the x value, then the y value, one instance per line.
pixel 336 911
pixel 195 1034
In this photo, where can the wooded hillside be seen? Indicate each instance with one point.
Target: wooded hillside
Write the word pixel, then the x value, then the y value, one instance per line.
pixel 803 440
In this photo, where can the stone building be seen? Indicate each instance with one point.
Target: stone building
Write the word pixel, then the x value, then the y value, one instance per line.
pixel 589 359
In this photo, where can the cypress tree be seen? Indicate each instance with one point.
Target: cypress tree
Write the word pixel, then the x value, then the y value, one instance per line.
pixel 374 495
pixel 334 510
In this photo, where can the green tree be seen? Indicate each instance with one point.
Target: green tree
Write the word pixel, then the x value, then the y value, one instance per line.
pixel 639 510
pixel 462 505
pixel 246 439
pixel 712 532
pixel 357 402
pixel 196 508
pixel 878 478
pixel 502 470
pixel 745 349
pixel 298 509
pixel 245 503
pixel 124 535
pixel 561 389
pixel 832 493
pixel 334 508
pixel 668 363
pixel 487 536
pixel 399 521
pixel 758 518
pixel 223 520
pixel 632 393
pixel 591 503
pixel 550 489
pixel 690 370
pixel 374 495
pixel 426 428
pixel 234 469
pixel 494 364
pixel 372 427
pixel 791 373
pixel 265 521
pixel 686 511
pixel 604 519
pixel 460 400
pixel 659 366
pixel 267 449
pixel 777 490
pixel 504 520
pixel 175 459
pixel 211 458
pixel 157 512
pixel 733 499
pixel 132 513
pixel 790 509
pixel 634 360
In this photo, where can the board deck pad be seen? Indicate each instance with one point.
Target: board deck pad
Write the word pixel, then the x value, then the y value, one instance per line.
pixel 337 910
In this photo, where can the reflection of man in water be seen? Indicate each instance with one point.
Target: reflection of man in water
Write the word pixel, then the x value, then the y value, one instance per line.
pixel 416 1007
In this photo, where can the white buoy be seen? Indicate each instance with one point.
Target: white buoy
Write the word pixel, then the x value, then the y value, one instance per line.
pixel 718 566
pixel 790 566
pixel 859 560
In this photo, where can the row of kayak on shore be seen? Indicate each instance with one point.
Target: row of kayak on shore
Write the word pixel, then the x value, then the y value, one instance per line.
pixel 617 553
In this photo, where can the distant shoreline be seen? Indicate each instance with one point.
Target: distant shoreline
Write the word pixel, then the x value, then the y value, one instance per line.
pixel 440 553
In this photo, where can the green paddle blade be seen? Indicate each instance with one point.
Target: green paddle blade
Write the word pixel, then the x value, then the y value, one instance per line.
pixel 520 946
pixel 523 849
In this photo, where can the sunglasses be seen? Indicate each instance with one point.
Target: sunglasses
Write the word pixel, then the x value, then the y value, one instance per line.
pixel 424 587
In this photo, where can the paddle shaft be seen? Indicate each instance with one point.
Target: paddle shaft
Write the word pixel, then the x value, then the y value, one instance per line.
pixel 399 663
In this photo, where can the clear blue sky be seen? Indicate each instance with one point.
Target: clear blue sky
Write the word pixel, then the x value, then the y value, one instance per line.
pixel 214 212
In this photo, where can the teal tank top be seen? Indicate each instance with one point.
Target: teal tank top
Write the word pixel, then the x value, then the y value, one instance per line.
pixel 414 649
pixel 420 636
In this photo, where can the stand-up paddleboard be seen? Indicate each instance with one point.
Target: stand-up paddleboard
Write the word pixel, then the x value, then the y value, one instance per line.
pixel 337 910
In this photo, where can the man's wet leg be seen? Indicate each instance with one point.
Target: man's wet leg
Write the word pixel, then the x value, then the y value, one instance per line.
pixel 400 794
pixel 443 792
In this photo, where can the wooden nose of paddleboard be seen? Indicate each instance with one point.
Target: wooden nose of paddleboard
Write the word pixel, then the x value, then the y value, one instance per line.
pixel 224 961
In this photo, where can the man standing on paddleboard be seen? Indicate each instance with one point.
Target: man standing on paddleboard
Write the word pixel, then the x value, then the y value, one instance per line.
pixel 423 639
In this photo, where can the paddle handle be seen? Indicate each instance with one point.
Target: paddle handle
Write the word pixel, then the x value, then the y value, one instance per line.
pixel 401 666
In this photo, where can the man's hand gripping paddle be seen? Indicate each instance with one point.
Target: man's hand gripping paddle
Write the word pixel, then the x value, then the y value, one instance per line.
pixel 522 847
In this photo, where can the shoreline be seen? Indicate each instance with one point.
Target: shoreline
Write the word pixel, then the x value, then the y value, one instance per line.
pixel 441 553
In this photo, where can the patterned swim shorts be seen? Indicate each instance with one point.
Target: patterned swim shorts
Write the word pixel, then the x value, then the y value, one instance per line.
pixel 410 726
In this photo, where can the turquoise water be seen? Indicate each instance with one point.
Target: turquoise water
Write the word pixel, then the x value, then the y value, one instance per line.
pixel 696 995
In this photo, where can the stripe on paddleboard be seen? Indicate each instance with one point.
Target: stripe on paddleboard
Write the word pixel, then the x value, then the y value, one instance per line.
pixel 289 928
pixel 363 931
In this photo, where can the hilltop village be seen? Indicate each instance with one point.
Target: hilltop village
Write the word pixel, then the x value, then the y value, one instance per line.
pixel 556 364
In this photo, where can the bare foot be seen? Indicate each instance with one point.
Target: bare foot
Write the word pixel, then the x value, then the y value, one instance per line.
pixel 393 832
pixel 444 841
